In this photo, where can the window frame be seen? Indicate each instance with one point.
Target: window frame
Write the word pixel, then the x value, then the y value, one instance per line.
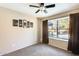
pixel 58 38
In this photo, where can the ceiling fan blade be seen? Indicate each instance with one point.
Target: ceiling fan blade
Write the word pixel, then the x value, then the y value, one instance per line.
pixel 45 11
pixel 41 4
pixel 37 11
pixel 34 6
pixel 50 6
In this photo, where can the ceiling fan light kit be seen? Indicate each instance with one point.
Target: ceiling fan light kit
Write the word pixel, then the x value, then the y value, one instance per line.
pixel 42 7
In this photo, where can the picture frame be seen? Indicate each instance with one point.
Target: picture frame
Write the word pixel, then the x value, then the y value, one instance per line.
pixel 31 24
pixel 15 22
pixel 20 23
pixel 24 24
pixel 28 24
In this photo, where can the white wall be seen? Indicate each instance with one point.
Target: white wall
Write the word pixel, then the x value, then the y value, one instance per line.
pixel 58 43
pixel 40 30
pixel 67 13
pixel 14 38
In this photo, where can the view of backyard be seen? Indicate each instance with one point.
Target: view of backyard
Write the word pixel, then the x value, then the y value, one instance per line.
pixel 58 28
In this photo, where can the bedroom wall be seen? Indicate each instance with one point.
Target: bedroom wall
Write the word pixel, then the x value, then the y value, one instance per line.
pixel 59 43
pixel 14 38
pixel 40 30
pixel 55 42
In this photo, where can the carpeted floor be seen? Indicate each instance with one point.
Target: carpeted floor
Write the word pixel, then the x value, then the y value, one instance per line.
pixel 40 50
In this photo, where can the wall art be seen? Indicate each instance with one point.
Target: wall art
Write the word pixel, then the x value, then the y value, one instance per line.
pixel 31 24
pixel 15 22
pixel 28 23
pixel 24 24
pixel 20 23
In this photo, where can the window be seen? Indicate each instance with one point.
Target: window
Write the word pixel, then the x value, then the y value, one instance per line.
pixel 58 28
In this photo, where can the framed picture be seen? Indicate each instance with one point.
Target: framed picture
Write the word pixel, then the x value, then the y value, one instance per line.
pixel 28 24
pixel 31 24
pixel 24 23
pixel 20 23
pixel 15 22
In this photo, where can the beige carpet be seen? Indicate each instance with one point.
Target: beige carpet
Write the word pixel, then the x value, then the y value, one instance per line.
pixel 40 50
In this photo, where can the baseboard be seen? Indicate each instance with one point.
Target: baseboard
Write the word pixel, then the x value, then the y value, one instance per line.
pixel 19 49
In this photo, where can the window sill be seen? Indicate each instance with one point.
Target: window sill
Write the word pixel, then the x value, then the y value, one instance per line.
pixel 58 39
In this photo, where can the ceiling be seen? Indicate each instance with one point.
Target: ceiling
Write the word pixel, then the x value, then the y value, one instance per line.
pixel 24 8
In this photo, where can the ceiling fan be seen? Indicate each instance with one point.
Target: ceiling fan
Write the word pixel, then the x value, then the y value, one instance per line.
pixel 42 7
